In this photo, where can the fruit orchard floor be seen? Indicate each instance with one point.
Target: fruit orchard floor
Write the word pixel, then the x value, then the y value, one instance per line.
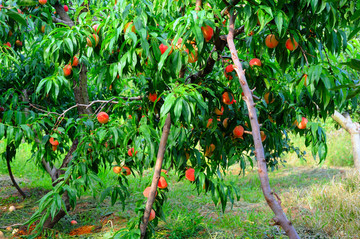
pixel 194 216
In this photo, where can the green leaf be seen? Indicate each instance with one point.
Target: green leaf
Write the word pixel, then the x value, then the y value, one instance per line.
pixel 198 36
pixel 116 135
pixel 28 132
pixel 353 63
pixel 279 21
pixel 353 33
pixel 16 16
pixel 215 195
pixel 42 82
pixel 314 128
pixel 2 130
pixel 105 193
pixel 114 197
pixel 186 113
pixel 18 136
pixel 165 108
pixel 178 109
pixel 27 2
pixel 48 86
pixel 9 134
pixel 53 210
pixel 355 16
pixel 69 46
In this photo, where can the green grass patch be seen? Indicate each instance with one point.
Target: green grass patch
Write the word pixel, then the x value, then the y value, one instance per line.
pixel 321 200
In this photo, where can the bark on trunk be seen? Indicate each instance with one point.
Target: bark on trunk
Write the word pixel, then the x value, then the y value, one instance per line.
pixel 8 159
pixel 156 177
pixel 353 128
pixel 280 217
pixel 81 92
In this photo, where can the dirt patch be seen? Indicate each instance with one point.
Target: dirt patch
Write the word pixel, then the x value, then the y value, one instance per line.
pixel 5 181
pixel 84 230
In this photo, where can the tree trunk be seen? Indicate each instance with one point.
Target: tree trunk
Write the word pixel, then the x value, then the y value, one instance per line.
pixel 81 97
pixel 81 92
pixel 8 159
pixel 280 217
pixel 50 223
pixel 354 130
pixel 156 177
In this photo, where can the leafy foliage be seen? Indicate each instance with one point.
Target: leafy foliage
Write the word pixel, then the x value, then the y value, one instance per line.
pixel 117 46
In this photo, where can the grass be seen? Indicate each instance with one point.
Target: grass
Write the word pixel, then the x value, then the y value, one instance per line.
pixel 321 200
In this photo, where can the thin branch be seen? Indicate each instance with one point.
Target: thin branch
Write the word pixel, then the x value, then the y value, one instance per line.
pixel 304 54
pixel 44 111
pixel 226 10
pixel 62 115
pixel 8 152
pixel 277 197
pixel 68 156
pixel 327 57
pixel 219 46
pixel 13 225
pixel 256 98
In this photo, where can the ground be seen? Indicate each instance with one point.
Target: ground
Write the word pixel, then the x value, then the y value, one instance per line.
pixel 320 200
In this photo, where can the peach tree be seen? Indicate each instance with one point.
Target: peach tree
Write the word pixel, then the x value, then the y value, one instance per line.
pixel 189 86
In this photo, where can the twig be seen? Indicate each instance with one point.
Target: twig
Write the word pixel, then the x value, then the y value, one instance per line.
pixel 303 52
pixel 327 56
pixel 256 98
pixel 98 101
pixel 277 197
pixel 13 225
pixel 44 111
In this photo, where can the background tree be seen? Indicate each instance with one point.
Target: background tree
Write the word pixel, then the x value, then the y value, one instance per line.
pixel 141 61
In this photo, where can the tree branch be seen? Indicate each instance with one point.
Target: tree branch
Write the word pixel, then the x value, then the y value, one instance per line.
pixel 44 111
pixel 280 216
pixel 198 5
pixel 8 152
pixel 345 123
pixel 156 177
pixel 64 17
pixel 219 46
pixel 226 11
pixel 58 20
